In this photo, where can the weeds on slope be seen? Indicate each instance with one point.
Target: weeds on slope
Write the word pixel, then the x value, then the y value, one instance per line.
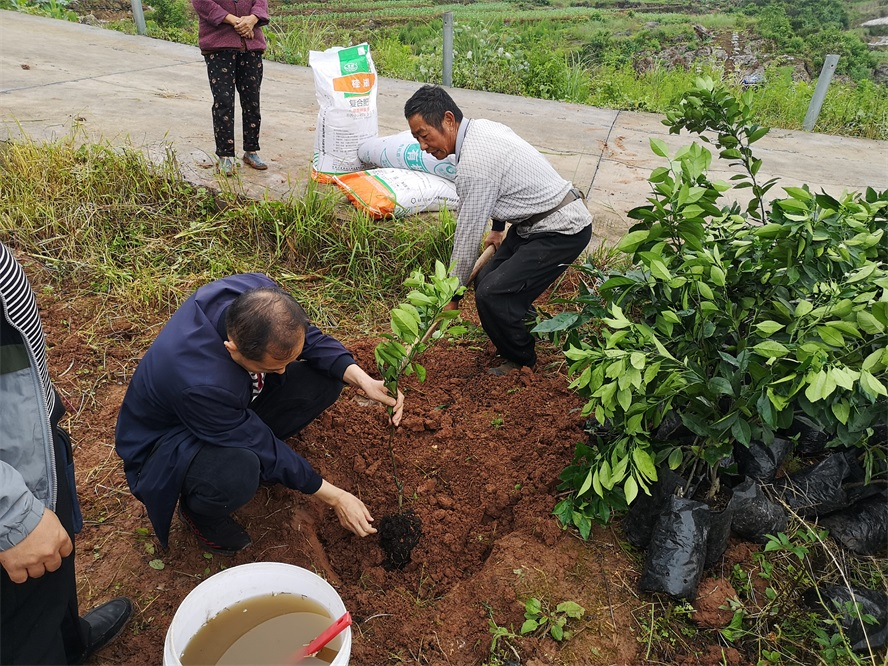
pixel 110 221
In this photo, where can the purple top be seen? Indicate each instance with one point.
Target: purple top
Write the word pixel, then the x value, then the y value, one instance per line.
pixel 216 35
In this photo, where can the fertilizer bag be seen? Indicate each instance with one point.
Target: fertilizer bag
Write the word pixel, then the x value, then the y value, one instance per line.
pixel 402 151
pixel 397 192
pixel 345 86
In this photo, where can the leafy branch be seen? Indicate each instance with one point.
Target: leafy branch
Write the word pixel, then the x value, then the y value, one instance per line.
pixel 415 325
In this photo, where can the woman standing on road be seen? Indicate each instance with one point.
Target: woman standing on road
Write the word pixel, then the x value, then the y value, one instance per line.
pixel 232 43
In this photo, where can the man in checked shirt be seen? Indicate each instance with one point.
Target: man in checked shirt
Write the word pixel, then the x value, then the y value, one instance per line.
pixel 501 177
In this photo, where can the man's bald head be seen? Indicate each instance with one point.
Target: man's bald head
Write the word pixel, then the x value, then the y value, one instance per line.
pixel 266 322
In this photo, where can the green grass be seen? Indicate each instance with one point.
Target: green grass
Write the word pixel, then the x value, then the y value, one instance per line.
pixel 607 55
pixel 111 222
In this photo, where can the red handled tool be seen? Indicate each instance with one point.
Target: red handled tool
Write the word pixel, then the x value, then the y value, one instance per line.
pixel 325 637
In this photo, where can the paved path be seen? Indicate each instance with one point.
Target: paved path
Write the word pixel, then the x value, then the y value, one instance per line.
pixel 56 76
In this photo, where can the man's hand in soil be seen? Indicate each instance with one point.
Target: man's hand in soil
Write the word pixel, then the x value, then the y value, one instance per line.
pixel 41 551
pixel 375 390
pixel 352 513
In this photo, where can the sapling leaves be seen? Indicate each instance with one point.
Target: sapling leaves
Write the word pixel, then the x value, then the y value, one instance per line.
pixel 414 325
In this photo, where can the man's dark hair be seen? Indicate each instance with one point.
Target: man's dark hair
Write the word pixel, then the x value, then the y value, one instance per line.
pixel 432 102
pixel 264 321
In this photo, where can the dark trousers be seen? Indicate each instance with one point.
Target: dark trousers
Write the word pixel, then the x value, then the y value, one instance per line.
pixel 222 479
pixel 519 272
pixel 39 619
pixel 229 71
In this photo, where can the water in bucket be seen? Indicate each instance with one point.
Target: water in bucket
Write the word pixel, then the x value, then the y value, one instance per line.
pixel 246 582
pixel 259 631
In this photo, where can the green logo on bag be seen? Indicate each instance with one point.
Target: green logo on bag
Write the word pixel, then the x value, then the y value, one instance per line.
pixel 354 59
pixel 413 156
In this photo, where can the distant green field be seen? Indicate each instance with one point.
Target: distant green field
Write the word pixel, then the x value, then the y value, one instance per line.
pixel 638 55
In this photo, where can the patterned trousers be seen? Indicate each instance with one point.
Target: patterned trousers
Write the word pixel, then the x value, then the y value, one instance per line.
pixel 229 71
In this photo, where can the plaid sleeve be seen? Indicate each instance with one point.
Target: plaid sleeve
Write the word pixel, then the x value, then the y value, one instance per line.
pixel 477 197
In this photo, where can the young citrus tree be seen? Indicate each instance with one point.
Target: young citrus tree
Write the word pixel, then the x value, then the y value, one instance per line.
pixel 415 325
pixel 734 322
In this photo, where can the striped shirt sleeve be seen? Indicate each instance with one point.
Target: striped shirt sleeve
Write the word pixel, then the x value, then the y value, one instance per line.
pixel 20 310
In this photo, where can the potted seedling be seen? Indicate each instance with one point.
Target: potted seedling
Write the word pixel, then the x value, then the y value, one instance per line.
pixel 415 326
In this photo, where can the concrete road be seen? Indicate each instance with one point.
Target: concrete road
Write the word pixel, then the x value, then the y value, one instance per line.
pixel 58 77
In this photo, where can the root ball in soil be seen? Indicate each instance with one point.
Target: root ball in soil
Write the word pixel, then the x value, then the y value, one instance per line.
pixel 398 536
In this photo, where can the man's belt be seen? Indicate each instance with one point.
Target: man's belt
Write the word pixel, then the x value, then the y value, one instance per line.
pixel 572 195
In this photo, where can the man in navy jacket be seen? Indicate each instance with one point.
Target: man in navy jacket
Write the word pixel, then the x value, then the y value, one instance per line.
pixel 236 370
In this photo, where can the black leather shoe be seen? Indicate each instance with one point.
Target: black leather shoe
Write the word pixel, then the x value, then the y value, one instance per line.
pixel 106 622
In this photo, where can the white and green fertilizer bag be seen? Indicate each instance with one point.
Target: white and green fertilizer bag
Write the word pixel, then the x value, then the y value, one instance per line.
pixel 345 86
pixel 402 151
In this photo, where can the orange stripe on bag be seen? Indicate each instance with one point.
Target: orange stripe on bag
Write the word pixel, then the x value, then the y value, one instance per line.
pixel 355 83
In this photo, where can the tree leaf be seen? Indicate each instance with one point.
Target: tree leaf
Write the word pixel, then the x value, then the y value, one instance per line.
pixel 841 410
pixel 846 327
pixel 831 336
pixel 802 308
pixel 816 384
pixel 587 483
pixel 631 241
pixel 630 489
pixel 675 458
pixel 872 386
pixel 770 349
pixel 869 323
pixel 624 397
pixel 644 463
pixel 741 431
pixel 658 147
pixel 862 273
pixel 560 322
pixel 768 327
pixel 407 321
pixel 659 270
pixel 720 386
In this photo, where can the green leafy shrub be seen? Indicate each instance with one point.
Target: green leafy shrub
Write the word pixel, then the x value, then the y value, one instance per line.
pixel 735 321
pixel 173 14
pixel 57 9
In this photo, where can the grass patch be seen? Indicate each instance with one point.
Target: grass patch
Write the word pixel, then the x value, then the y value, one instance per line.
pixel 111 221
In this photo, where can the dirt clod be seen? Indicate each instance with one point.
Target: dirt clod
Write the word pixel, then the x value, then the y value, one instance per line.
pixel 399 534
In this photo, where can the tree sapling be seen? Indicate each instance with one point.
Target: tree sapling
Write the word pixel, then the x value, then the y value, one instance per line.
pixel 415 325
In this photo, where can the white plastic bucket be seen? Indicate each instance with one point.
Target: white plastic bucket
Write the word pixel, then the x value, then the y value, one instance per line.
pixel 236 584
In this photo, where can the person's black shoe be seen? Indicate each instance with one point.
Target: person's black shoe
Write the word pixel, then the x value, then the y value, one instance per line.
pixel 105 623
pixel 222 535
